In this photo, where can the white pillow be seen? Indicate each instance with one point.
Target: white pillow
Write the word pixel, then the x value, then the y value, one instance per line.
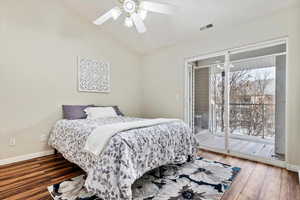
pixel 100 112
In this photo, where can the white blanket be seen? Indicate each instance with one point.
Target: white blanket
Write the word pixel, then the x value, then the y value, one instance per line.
pixel 101 135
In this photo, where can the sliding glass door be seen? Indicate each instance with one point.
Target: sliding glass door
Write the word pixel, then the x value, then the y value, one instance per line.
pixel 257 102
pixel 238 101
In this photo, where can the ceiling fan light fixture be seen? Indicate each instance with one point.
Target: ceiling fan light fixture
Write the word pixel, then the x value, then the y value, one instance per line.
pixel 129 6
pixel 128 22
pixel 136 12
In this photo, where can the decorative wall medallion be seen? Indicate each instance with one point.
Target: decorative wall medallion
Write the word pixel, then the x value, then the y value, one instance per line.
pixel 93 76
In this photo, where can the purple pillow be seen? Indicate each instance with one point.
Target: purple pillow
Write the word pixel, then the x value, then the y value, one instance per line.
pixel 74 111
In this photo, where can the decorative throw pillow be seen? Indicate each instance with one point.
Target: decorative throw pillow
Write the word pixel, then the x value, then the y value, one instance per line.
pixel 100 112
pixel 72 112
pixel 116 108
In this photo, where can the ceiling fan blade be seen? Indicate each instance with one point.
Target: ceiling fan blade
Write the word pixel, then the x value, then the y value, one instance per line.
pixel 113 13
pixel 157 7
pixel 138 22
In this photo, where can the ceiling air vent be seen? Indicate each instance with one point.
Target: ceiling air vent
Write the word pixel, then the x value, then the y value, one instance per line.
pixel 208 26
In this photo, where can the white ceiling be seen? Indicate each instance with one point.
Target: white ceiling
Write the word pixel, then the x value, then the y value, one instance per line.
pixel 163 30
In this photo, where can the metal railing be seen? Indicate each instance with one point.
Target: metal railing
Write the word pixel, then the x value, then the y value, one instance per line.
pixel 246 119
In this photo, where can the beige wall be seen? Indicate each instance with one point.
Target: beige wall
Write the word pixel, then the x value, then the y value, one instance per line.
pixel 163 70
pixel 39 45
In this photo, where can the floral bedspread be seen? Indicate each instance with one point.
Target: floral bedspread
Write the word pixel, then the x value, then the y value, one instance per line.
pixel 127 156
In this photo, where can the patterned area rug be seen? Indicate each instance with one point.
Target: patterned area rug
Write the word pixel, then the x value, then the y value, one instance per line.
pixel 200 179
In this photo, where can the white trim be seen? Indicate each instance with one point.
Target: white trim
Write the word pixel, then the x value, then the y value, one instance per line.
pixel 227 100
pixel 286 100
pixel 25 157
pixel 294 168
pixel 186 93
pixel 243 60
pixel 260 45
pixel 193 99
pixel 188 101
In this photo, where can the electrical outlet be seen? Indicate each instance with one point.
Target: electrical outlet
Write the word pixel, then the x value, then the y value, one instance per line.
pixel 44 138
pixel 12 141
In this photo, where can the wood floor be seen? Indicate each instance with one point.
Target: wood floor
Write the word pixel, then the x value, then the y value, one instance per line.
pixel 29 179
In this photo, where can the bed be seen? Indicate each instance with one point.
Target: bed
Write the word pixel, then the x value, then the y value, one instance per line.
pixel 126 156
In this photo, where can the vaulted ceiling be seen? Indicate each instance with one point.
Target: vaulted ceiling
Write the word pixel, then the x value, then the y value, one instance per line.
pixel 163 30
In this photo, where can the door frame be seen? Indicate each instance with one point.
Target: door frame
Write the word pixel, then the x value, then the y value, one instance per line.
pixel 189 102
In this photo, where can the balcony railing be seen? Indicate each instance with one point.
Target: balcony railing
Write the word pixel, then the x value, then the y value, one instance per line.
pixel 245 119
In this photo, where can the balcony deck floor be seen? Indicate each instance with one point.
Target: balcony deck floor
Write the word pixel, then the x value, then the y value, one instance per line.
pixel 253 148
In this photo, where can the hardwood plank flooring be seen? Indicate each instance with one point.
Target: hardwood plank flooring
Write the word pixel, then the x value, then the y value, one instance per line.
pixel 29 179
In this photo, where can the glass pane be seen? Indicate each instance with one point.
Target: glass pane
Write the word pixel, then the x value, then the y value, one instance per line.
pixel 209 86
pixel 252 106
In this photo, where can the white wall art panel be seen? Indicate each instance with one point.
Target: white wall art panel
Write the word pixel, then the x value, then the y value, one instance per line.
pixel 93 75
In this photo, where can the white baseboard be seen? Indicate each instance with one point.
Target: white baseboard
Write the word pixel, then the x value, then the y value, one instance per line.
pixel 294 168
pixel 25 157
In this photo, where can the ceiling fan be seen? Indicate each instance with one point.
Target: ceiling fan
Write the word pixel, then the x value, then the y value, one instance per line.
pixel 136 12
